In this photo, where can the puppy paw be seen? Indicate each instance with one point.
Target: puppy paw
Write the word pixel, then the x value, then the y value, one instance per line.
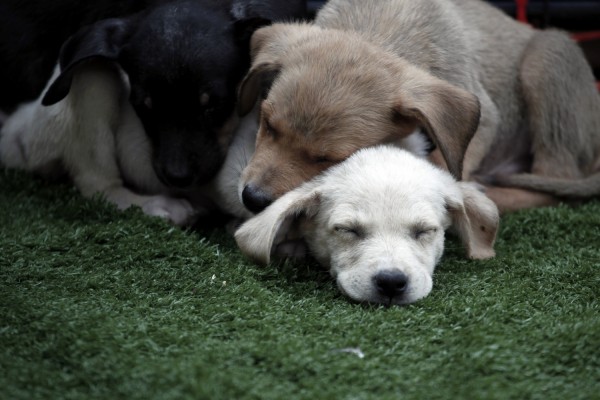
pixel 177 211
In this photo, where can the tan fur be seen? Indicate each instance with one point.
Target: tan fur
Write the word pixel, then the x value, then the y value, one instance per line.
pixel 504 103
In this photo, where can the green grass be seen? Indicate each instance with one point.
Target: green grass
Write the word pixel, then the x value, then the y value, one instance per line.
pixel 99 304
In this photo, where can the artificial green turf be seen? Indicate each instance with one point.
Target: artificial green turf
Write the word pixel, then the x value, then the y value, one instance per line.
pixel 95 303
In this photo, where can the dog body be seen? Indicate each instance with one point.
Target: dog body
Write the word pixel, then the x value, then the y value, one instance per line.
pixel 499 99
pixel 377 221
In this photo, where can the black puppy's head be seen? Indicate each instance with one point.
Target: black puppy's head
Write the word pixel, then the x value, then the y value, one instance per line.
pixel 184 61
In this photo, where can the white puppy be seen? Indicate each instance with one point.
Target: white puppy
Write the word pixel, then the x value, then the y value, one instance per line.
pixel 95 137
pixel 377 221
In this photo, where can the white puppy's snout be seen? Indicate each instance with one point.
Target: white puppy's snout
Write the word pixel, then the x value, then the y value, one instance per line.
pixel 391 283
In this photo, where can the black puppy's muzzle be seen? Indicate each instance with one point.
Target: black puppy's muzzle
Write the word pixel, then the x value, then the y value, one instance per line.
pixel 179 176
pixel 255 199
pixel 186 162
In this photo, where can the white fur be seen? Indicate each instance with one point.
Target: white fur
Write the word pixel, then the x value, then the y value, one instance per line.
pixel 95 136
pixel 383 209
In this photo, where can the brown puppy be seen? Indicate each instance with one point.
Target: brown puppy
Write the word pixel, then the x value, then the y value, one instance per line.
pixel 498 95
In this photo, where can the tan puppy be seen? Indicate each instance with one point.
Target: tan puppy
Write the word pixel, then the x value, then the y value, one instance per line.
pixel 512 105
pixel 377 221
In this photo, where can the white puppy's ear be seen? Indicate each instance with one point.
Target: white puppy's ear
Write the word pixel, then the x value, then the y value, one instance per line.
pixel 476 219
pixel 258 237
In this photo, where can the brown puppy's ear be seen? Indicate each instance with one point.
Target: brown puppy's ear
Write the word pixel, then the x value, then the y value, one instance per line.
pixel 476 219
pixel 448 113
pixel 259 237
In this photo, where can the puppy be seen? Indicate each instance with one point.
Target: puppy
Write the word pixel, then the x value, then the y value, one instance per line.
pixel 112 157
pixel 377 221
pixel 184 60
pixel 503 103
pixel 143 106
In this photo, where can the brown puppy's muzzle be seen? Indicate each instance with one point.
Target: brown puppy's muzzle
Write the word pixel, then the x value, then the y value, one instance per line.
pixel 255 199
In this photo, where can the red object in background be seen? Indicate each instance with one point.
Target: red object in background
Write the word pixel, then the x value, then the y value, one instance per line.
pixel 582 36
pixel 522 10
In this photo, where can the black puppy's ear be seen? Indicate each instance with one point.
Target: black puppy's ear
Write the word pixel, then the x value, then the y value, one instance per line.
pixel 103 39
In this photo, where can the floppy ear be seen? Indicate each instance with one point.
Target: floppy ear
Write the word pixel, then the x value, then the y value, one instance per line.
pixel 476 219
pixel 265 68
pixel 259 237
pixel 449 114
pixel 103 39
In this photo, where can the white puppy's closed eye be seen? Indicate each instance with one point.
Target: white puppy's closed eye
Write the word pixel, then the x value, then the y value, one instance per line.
pixel 377 221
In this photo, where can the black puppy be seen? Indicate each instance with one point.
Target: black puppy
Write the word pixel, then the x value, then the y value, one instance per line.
pixel 146 96
pixel 184 60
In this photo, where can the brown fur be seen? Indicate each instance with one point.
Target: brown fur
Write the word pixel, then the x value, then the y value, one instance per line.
pixel 505 104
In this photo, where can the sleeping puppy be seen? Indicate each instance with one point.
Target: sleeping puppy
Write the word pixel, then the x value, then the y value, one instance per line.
pixel 184 60
pixel 502 102
pixel 95 137
pixel 377 221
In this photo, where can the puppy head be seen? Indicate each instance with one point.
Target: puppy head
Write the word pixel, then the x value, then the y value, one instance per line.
pixel 328 94
pixel 377 221
pixel 183 61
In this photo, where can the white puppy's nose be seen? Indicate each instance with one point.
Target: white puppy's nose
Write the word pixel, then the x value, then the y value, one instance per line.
pixel 391 283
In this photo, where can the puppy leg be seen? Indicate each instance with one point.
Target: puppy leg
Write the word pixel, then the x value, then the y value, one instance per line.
pixel 91 152
pixel 89 149
pixel 563 106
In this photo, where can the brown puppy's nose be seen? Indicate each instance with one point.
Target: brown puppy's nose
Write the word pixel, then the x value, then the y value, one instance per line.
pixel 255 199
pixel 391 283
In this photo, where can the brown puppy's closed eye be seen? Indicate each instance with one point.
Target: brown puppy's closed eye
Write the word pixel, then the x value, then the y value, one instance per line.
pixel 331 93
